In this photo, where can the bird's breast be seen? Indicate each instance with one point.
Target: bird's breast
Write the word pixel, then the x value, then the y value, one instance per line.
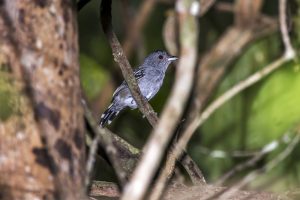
pixel 151 84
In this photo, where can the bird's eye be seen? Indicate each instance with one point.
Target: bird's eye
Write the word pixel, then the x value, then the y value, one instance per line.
pixel 160 57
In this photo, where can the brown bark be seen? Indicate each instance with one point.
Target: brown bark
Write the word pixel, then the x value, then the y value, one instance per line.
pixel 42 141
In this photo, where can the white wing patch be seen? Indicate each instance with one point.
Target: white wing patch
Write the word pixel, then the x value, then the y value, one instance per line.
pixel 129 101
pixel 149 95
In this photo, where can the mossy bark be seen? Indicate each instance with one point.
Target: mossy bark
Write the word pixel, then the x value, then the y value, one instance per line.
pixel 41 119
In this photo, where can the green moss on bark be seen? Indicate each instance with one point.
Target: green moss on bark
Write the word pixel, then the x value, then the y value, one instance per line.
pixel 9 97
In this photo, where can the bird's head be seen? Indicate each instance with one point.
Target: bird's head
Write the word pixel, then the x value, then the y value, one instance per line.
pixel 159 59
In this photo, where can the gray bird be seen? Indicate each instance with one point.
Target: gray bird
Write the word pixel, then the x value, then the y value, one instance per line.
pixel 149 75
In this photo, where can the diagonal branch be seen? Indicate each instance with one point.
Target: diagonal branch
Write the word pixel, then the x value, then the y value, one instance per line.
pixel 121 154
pixel 161 136
pixel 120 58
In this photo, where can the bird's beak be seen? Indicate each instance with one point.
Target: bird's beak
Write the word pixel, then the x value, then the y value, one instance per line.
pixel 172 58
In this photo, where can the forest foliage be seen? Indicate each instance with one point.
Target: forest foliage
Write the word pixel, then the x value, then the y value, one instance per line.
pixel 235 125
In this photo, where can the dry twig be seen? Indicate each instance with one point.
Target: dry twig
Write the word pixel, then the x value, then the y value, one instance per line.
pixel 120 58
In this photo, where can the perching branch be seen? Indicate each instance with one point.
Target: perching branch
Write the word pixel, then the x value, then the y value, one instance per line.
pixel 159 139
pixel 120 58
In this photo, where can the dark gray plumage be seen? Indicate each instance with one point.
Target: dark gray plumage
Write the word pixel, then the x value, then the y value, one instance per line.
pixel 149 75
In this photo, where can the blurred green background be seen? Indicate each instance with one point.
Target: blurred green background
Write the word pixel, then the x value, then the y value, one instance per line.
pixel 261 114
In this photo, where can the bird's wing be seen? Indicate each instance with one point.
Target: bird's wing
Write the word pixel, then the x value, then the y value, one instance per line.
pixel 138 74
pixel 119 89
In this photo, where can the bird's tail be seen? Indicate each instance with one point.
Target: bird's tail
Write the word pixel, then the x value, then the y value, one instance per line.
pixel 108 115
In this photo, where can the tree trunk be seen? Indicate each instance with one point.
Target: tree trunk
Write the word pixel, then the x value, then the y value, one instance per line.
pixel 41 120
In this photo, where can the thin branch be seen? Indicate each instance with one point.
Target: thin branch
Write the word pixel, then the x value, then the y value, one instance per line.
pixel 159 139
pixel 122 155
pixel 110 146
pixel 120 58
pixel 271 146
pixel 144 106
pixel 289 51
pixel 192 169
pixel 254 174
pixel 91 159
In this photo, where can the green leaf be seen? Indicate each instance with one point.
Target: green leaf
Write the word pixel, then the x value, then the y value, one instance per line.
pixel 92 77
